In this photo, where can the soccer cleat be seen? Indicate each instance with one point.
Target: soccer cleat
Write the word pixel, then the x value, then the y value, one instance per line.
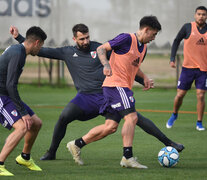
pixel 131 163
pixel 28 163
pixel 48 156
pixel 75 152
pixel 4 171
pixel 200 127
pixel 171 121
pixel 177 146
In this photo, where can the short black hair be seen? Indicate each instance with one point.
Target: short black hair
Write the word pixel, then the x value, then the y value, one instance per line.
pixel 35 33
pixel 201 8
pixel 81 28
pixel 150 21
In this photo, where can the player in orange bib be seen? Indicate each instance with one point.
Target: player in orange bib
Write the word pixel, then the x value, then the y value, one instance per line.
pixel 194 66
pixel 128 52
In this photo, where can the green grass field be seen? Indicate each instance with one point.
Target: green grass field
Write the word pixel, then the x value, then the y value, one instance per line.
pixel 102 158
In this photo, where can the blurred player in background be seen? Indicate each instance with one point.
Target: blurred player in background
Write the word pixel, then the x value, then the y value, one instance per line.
pixel 194 66
pixel 14 113
pixel 87 73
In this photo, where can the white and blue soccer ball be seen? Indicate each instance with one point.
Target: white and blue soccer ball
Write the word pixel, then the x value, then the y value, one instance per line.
pixel 168 156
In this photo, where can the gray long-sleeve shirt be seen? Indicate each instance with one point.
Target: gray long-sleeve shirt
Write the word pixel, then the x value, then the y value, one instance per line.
pixel 11 66
pixel 85 67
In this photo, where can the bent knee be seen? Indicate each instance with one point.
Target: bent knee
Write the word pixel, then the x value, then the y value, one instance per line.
pixel 110 129
pixel 37 122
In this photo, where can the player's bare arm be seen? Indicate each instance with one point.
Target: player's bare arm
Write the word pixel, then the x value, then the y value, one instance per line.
pixel 102 54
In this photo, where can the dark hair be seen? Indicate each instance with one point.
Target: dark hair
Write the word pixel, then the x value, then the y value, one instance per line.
pixel 201 8
pixel 36 33
pixel 150 21
pixel 81 28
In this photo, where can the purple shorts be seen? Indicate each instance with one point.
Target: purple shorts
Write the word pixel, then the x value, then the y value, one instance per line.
pixel 89 103
pixel 187 77
pixel 118 100
pixel 8 113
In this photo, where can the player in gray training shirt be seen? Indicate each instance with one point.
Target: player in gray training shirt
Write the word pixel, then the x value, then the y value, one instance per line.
pixel 14 113
pixel 87 74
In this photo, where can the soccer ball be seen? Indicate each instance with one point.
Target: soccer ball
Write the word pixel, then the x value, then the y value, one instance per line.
pixel 168 156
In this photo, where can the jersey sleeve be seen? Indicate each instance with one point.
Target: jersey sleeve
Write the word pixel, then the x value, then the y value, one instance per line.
pixel 184 33
pixel 121 43
pixel 52 53
pixel 20 38
pixel 14 69
pixel 56 53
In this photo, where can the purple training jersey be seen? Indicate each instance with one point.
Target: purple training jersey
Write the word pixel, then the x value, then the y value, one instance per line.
pixel 122 43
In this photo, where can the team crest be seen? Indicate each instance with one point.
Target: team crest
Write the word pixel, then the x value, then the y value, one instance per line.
pixel 131 98
pixel 14 113
pixel 93 54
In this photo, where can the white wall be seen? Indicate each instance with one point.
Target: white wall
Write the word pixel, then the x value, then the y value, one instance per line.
pixel 105 18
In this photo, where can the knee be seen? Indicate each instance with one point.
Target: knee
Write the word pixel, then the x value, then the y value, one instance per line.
pixel 37 123
pixel 111 128
pixel 200 96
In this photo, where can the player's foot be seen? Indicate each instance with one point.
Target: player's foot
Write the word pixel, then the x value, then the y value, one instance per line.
pixel 199 126
pixel 48 156
pixel 177 146
pixel 28 163
pixel 75 151
pixel 131 163
pixel 4 171
pixel 171 121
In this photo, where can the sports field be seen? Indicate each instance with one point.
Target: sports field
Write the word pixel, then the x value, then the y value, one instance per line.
pixel 102 158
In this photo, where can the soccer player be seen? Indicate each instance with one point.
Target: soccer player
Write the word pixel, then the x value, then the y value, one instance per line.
pixel 128 52
pixel 194 66
pixel 87 74
pixel 14 113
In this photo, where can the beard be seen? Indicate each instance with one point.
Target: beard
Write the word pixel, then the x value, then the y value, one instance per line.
pixel 84 48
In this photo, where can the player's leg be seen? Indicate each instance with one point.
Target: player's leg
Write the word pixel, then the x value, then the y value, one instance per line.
pixel 24 158
pixel 31 134
pixel 177 104
pixel 200 108
pixel 70 113
pixel 127 136
pixel 149 127
pixel 13 139
pixel 97 133
pixel 184 84
pixel 101 131
pixel 11 142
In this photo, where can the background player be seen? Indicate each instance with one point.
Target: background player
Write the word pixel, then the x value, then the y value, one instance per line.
pixel 14 113
pixel 194 66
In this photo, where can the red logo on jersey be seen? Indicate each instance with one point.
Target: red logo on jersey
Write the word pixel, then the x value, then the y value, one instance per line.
pixel 93 54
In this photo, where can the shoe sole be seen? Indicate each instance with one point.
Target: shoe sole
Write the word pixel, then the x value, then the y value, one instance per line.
pixel 125 166
pixel 200 129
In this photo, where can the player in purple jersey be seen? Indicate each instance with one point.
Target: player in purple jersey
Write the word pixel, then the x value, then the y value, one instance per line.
pixel 87 74
pixel 14 113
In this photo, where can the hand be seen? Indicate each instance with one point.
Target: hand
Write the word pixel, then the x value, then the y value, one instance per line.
pixel 27 121
pixel 172 64
pixel 14 31
pixel 107 70
pixel 148 83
